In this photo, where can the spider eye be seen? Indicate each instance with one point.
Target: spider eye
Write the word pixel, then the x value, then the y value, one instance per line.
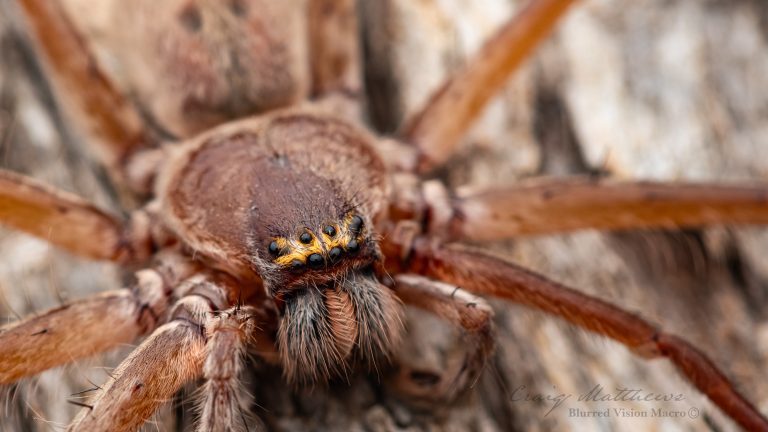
pixel 356 224
pixel 353 246
pixel 274 248
pixel 316 260
pixel 305 238
pixel 329 230
pixel 297 265
pixel 334 254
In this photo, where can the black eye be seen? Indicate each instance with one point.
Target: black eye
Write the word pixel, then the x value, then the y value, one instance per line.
pixel 334 253
pixel 297 265
pixel 305 238
pixel 329 230
pixel 353 246
pixel 356 224
pixel 273 249
pixel 316 260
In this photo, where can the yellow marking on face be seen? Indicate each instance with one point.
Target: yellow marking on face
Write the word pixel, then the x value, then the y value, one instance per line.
pixel 298 250
pixel 282 243
pixel 320 244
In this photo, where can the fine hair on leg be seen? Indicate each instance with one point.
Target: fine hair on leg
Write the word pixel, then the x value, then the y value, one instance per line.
pixel 224 404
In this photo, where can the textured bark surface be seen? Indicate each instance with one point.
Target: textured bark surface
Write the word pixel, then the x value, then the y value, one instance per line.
pixel 650 89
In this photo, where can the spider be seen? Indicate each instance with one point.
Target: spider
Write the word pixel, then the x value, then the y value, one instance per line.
pixel 291 255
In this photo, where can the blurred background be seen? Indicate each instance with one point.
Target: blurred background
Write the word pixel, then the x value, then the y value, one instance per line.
pixel 647 89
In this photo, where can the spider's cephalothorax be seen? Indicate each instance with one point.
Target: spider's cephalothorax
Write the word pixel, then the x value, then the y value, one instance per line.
pixel 293 198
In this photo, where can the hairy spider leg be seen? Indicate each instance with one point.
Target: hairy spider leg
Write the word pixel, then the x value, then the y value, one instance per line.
pixel 224 406
pixel 78 330
pixel 436 129
pixel 113 126
pixel 170 357
pixel 173 355
pixel 550 206
pixel 65 220
pixel 484 274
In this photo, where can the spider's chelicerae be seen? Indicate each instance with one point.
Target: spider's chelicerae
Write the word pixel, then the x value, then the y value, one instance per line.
pixel 293 233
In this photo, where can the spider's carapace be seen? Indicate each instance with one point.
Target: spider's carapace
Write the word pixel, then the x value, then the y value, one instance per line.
pixel 292 197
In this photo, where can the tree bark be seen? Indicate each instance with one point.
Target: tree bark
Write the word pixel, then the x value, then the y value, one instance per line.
pixel 649 89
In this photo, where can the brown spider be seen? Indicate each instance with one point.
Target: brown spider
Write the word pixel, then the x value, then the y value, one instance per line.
pixel 273 230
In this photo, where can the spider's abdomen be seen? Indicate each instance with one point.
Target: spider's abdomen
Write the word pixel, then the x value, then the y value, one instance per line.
pixel 195 64
pixel 289 193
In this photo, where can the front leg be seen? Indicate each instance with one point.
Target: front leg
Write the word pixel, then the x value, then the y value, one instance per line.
pixel 223 406
pixel 170 357
pixel 445 378
pixel 485 274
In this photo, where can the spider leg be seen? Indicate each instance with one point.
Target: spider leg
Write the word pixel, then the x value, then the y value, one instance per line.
pixel 113 125
pixel 65 220
pixel 559 205
pixel 223 407
pixel 437 128
pixel 166 360
pixel 170 357
pixel 77 330
pixel 485 274
pixel 446 381
pixel 69 333
pixel 198 340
